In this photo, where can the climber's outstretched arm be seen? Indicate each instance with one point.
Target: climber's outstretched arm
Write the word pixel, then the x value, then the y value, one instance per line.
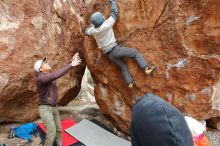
pixel 114 9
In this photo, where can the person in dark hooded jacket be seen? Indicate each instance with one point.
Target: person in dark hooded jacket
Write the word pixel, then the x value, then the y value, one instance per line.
pixel 155 122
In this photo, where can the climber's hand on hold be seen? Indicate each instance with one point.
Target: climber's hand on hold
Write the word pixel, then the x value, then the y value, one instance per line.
pixel 111 0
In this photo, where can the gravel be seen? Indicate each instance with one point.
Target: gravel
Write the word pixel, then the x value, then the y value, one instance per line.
pixel 214 137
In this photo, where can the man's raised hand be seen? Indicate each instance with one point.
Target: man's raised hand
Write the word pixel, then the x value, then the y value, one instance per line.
pixel 76 60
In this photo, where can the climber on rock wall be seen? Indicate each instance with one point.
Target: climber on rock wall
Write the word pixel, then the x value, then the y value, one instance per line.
pixel 102 31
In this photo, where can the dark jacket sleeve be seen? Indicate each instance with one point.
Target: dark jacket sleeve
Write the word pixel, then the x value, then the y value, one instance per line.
pixel 48 77
pixel 114 9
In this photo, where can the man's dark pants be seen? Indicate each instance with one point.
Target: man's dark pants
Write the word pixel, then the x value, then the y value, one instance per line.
pixel 117 54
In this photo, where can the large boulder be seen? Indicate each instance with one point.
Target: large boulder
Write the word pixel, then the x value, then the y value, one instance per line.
pixel 182 37
pixel 31 30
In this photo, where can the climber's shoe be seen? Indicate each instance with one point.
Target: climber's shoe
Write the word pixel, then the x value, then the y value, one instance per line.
pixel 131 84
pixel 150 70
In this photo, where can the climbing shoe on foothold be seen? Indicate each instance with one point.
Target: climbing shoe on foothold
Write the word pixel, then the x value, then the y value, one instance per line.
pixel 150 70
pixel 131 84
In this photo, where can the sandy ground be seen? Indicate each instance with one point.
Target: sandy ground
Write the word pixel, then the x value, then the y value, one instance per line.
pixel 83 107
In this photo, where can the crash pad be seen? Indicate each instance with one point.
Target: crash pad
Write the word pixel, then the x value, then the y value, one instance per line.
pixel 91 134
pixel 67 139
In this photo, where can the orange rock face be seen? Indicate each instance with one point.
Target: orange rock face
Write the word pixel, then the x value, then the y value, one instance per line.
pixel 31 30
pixel 182 37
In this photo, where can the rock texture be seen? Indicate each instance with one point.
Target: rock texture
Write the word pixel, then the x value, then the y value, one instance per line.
pixel 30 30
pixel 182 37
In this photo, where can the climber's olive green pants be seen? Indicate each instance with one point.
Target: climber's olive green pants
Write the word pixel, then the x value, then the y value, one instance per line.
pixel 51 119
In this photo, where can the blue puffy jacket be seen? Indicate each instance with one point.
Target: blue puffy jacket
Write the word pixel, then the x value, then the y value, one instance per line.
pixel 25 131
